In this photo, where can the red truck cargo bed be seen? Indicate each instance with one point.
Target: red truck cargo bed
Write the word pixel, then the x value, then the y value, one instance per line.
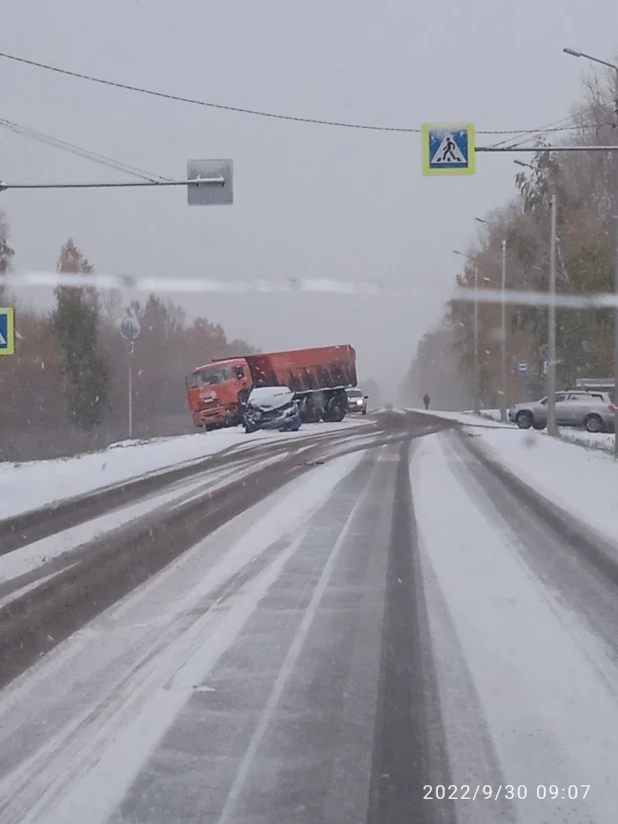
pixel 304 369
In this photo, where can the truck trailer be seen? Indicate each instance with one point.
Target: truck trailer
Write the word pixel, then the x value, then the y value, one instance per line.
pixel 217 392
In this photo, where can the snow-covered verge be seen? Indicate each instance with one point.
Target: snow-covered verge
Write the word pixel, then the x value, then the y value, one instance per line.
pixel 35 484
pixel 603 441
pixel 584 482
pixel 490 414
pixel 470 418
pixel 599 440
pixel 13 565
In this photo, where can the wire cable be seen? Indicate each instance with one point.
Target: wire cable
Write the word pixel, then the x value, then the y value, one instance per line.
pixel 521 137
pixel 243 110
pixel 71 148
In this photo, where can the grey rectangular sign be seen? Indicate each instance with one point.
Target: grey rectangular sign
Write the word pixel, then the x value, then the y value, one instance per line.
pixel 217 188
pixel 594 383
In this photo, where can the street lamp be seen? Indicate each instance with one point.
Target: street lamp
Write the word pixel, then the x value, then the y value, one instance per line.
pixel 503 335
pixel 477 374
pixel 502 329
pixel 578 53
pixel 552 429
pixel 614 67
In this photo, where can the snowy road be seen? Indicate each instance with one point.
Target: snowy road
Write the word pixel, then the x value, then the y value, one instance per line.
pixel 342 631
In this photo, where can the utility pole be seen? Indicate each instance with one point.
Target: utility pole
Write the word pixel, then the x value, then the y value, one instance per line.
pixel 550 381
pixel 614 68
pixel 503 338
pixel 477 372
pixel 476 369
pixel 552 429
pixel 615 395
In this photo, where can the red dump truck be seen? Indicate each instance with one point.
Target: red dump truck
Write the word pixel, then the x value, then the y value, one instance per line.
pixel 318 377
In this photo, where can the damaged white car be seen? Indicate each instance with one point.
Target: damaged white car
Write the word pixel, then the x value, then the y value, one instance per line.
pixel 271 407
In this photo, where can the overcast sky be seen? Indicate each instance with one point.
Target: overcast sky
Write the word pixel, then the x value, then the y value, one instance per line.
pixel 309 200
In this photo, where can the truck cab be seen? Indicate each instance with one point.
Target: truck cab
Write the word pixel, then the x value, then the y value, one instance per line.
pixel 217 390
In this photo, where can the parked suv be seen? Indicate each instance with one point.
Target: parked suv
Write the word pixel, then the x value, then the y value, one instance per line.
pixel 592 410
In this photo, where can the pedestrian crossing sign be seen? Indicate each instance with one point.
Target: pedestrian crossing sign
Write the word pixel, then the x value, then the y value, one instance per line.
pixel 7 330
pixel 448 149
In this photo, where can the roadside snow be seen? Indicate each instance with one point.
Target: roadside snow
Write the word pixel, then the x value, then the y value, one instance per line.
pixel 492 414
pixel 545 685
pixel 582 481
pixel 490 418
pixel 603 441
pixel 35 484
pixel 30 557
pixel 470 418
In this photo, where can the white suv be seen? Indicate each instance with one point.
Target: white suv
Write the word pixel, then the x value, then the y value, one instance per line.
pixel 592 410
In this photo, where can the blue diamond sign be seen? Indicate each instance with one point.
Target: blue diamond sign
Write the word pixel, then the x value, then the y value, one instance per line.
pixel 7 331
pixel 448 149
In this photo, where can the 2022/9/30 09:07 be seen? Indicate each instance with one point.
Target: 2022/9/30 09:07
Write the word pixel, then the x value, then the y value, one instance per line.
pixel 511 792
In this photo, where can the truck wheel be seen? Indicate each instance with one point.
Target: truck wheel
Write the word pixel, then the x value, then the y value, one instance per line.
pixel 336 408
pixel 311 414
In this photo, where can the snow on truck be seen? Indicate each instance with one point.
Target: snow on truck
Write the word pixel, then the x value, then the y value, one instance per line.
pixel 218 391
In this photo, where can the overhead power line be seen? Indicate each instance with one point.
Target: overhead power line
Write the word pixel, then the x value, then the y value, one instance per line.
pixel 242 110
pixel 515 139
pixel 79 151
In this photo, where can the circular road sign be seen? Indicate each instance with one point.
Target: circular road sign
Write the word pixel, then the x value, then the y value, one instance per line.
pixel 129 328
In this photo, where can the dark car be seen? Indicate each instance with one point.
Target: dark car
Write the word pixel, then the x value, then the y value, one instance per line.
pixel 271 407
pixel 357 402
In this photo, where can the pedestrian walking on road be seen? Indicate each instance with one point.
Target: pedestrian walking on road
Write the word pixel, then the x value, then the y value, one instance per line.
pixel 426 400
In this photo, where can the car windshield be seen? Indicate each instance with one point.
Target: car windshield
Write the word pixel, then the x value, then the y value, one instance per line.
pixel 211 376
pixel 271 396
pixel 355 393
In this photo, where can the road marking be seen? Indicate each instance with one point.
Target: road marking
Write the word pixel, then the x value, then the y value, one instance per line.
pixel 286 669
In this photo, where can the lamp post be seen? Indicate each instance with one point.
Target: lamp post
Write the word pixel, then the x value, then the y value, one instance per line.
pixel 130 329
pixel 477 381
pixel 614 68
